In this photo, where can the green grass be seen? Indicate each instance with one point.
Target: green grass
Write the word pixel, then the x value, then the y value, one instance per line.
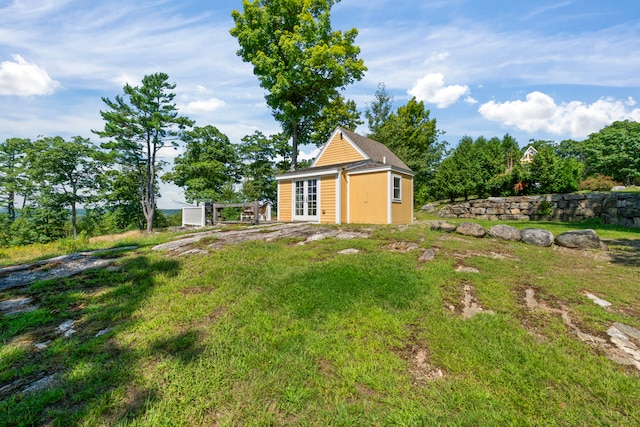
pixel 279 334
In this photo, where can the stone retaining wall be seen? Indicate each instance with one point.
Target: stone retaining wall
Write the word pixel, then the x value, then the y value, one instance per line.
pixel 614 208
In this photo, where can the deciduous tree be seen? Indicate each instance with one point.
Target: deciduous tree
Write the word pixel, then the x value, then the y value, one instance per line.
pixel 13 179
pixel 262 159
pixel 298 58
pixel 69 170
pixel 615 151
pixel 209 162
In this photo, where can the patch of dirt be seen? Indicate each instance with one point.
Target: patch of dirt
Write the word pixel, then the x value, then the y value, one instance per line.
pixel 454 238
pixel 196 290
pixel 217 313
pixel 326 367
pixel 421 369
pixel 403 247
pixel 621 343
pixel 470 304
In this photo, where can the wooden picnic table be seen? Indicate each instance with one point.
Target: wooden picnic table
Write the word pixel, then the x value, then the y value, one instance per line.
pixel 217 208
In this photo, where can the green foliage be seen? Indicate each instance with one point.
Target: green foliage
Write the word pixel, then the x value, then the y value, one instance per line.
pixel 551 174
pixel 338 112
pixel 379 111
pixel 544 208
pixel 615 151
pixel 262 159
pixel 13 173
pixel 480 168
pixel 139 124
pixel 491 167
pixel 298 59
pixel 598 182
pixel 68 171
pixel 208 163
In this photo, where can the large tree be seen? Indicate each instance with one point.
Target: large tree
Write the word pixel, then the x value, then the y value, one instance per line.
pixel 69 170
pixel 209 162
pixel 139 124
pixel 13 180
pixel 615 151
pixel 379 111
pixel 262 159
pixel 298 59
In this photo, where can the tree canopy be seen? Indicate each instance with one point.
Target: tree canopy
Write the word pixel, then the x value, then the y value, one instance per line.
pixel 413 136
pixel 209 162
pixel 615 151
pixel 140 124
pixel 298 59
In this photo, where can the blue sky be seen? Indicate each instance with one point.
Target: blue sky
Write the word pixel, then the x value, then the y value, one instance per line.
pixel 536 70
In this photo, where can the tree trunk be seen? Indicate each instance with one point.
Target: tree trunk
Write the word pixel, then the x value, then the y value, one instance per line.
pixel 11 210
pixel 294 150
pixel 74 225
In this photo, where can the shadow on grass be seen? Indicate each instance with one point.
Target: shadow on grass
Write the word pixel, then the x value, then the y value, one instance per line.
pixel 624 251
pixel 386 280
pixel 94 380
pixel 184 346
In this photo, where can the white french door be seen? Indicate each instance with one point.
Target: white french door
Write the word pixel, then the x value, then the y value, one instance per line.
pixel 305 199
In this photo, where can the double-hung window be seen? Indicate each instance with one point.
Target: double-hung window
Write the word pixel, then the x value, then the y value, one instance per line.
pixel 396 188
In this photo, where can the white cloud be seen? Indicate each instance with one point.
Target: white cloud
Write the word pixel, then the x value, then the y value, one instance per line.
pixel 202 106
pixel 540 113
pixel 25 79
pixel 303 155
pixel 431 89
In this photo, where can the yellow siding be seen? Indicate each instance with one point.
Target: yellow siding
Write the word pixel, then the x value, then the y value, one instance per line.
pixel 285 208
pixel 343 193
pixel 339 151
pixel 328 200
pixel 402 213
pixel 369 198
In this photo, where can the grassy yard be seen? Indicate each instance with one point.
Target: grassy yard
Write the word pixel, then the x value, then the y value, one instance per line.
pixel 274 333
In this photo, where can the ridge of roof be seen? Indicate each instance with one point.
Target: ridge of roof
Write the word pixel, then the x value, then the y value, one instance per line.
pixel 376 151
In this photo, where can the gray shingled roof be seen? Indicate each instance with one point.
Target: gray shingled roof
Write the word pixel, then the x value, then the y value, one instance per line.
pixel 375 150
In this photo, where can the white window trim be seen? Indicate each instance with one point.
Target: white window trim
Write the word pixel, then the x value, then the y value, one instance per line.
pixel 394 199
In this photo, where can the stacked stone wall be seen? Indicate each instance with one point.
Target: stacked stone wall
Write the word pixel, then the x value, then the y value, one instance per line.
pixel 613 208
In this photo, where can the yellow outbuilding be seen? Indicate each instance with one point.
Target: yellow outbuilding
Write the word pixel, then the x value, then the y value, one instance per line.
pixel 354 180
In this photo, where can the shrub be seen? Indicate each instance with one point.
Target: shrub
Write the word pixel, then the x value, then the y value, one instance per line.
pixel 598 183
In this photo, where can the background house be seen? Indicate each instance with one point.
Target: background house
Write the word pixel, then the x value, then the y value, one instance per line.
pixel 528 155
pixel 354 179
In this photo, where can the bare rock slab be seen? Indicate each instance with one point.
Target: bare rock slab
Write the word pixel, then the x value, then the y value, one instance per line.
pixel 471 229
pixel 350 251
pixel 504 232
pixel 579 239
pixel 598 301
pixel 536 237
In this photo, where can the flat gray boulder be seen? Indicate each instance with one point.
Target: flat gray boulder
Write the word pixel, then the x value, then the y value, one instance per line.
pixel 443 226
pixel 471 229
pixel 536 236
pixel 505 232
pixel 579 239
